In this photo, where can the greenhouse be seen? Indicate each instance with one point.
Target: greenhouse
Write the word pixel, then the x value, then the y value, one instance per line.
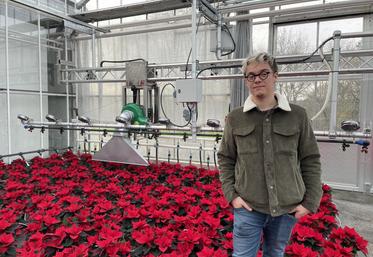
pixel 164 127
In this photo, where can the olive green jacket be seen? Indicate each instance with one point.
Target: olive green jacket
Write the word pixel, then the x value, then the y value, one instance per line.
pixel 270 159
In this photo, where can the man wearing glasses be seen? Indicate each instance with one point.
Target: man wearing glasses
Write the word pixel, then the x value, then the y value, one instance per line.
pixel 269 164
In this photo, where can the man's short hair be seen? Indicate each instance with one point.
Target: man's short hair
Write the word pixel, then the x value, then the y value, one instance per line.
pixel 259 58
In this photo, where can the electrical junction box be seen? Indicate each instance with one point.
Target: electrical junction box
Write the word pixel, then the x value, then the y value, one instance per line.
pixel 136 74
pixel 188 90
pixel 226 41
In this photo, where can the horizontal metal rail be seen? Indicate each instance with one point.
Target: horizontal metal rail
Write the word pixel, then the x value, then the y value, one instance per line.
pixel 21 154
pixel 162 129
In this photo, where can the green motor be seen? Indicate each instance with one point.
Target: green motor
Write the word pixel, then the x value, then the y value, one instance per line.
pixel 134 113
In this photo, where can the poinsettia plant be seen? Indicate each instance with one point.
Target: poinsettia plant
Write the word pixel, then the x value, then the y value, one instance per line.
pixel 69 205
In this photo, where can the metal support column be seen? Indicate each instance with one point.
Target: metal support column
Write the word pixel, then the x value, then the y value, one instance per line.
pixel 194 38
pixel 272 34
pixel 100 85
pixel 365 165
pixel 94 66
pixel 218 49
pixel 194 66
pixel 334 81
pixel 40 79
pixel 7 76
pixel 67 91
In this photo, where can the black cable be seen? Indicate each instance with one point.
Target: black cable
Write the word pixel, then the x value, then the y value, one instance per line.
pixel 186 66
pixel 234 43
pixel 190 51
pixel 190 110
pixel 308 57
pixel 278 62
pixel 122 61
pixel 218 67
pixel 164 113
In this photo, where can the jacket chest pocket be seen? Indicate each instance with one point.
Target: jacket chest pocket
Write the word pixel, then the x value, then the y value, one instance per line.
pixel 285 139
pixel 245 139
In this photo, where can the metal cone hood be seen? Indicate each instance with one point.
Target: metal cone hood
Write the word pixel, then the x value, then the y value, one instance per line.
pixel 120 149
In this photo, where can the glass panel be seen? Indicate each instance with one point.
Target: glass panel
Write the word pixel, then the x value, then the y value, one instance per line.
pixel 3 124
pixel 310 95
pixel 91 5
pixel 345 26
pixel 260 38
pixel 134 18
pixel 56 5
pixel 160 14
pixel 347 171
pixel 296 39
pixel 348 100
pixel 3 100
pixel 301 4
pixel 57 107
pixel 49 55
pixel 23 49
pixel 2 50
pixel 333 1
pixel 31 1
pixel 110 3
pixel 22 139
pixel 2 17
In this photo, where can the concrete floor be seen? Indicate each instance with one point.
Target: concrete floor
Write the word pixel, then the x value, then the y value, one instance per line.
pixel 356 210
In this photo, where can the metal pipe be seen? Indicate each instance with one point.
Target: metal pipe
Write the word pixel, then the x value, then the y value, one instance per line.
pixel 68 125
pixel 7 76
pixel 100 85
pixel 67 92
pixel 218 49
pixel 215 156
pixel 180 147
pixel 356 34
pixel 151 128
pixel 140 31
pixel 342 134
pixel 200 155
pixel 147 22
pixel 40 78
pixel 177 151
pixel 13 35
pixel 334 82
pixel 194 38
pixel 35 151
pixel 183 161
pixel 156 151
pixel 31 92
pixel 259 4
pixel 298 10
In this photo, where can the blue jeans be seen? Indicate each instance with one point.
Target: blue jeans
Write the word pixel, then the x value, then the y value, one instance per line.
pixel 248 228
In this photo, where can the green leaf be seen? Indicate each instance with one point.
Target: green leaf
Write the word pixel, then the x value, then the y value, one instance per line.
pixel 67 242
pixel 11 252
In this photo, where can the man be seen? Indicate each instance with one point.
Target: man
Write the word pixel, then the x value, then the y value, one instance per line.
pixel 269 164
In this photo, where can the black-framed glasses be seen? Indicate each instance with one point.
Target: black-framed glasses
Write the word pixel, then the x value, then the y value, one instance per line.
pixel 263 76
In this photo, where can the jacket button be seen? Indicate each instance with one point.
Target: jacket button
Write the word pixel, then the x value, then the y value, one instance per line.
pixel 267 119
pixel 271 187
pixel 267 141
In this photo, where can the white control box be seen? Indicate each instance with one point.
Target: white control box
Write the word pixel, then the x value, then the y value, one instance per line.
pixel 188 90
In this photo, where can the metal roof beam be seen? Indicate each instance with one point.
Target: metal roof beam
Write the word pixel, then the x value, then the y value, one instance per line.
pixel 58 15
pixel 132 10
